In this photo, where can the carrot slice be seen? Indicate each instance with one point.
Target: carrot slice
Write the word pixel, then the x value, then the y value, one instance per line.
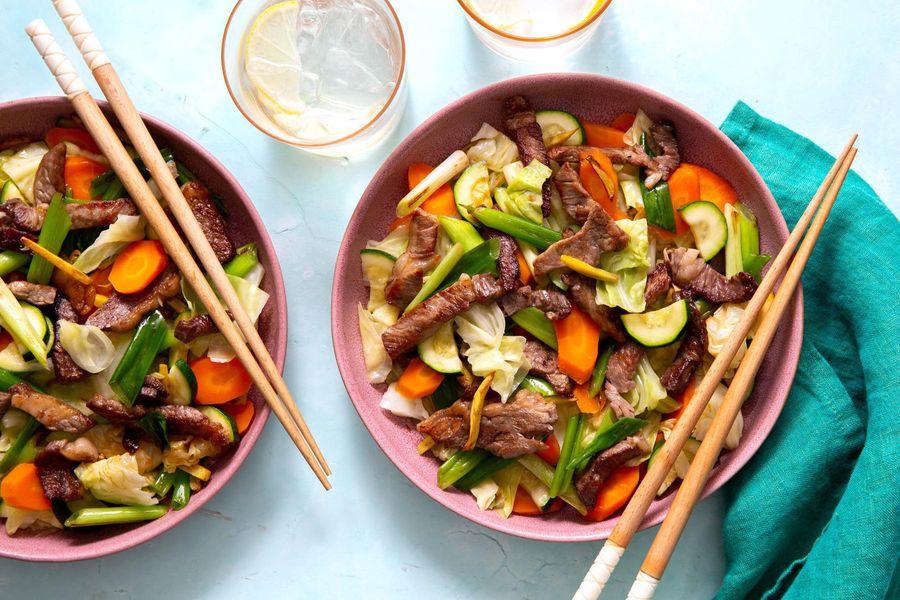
pixel 594 184
pixel 22 488
pixel 616 491
pixel 525 275
pixel 218 383
pixel 550 450
pixel 583 399
pixel 684 398
pixel 578 337
pixel 603 136
pixel 713 188
pixel 684 188
pixel 242 413
pixel 137 266
pixel 400 222
pixel 79 172
pixel 623 122
pixel 418 380
pixel 441 202
pixel 75 135
pixel 525 506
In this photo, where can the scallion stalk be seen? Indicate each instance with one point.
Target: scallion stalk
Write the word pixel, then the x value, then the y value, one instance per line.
pixel 536 384
pixel 163 483
pixel 181 490
pixel 563 474
pixel 437 276
pixel 480 259
pixel 544 472
pixel 519 228
pixel 13 318
pixel 246 258
pixel 599 374
pixel 461 232
pixel 115 515
pixel 458 465
pixel 482 471
pixel 54 230
pixel 129 375
pixel 537 324
pixel 113 191
pixel 11 457
pixel 11 260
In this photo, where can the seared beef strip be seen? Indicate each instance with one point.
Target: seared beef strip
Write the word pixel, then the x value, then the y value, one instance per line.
pixel 575 199
pixel 123 312
pixel 418 323
pixel 114 411
pixel 51 412
pixel 696 278
pixel 584 294
pixel 80 296
pixel 65 369
pixel 35 293
pixel 630 155
pixel 600 234
pixel 210 220
pixel 11 237
pixel 188 330
pixel 658 283
pixel 570 155
pixel 543 361
pixel 55 472
pixel 84 215
pixel 507 263
pixel 50 176
pixel 131 438
pixel 5 401
pixel 506 430
pixel 153 391
pixel 620 377
pixel 187 420
pixel 590 480
pixel 411 266
pixel 81 449
pixel 523 127
pixel 690 353
pixel 554 304
pixel 667 158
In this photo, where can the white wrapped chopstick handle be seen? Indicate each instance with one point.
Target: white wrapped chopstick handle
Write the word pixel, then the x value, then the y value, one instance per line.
pixel 58 63
pixel 81 32
pixel 600 572
pixel 643 588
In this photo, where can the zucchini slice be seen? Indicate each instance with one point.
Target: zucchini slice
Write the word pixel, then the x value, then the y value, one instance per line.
pixel 707 223
pixel 439 350
pixel 473 190
pixel 222 418
pixel 181 383
pixel 556 122
pixel 659 327
pixel 7 191
pixel 377 266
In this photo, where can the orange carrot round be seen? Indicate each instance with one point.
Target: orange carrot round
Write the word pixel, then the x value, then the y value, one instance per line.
pixel 218 383
pixel 616 491
pixel 441 202
pixel 578 337
pixel 623 122
pixel 524 505
pixel 684 398
pixel 595 186
pixel 603 136
pixel 75 135
pixel 79 172
pixel 137 266
pixel 22 488
pixel 550 451
pixel 713 188
pixel 418 380
pixel 242 413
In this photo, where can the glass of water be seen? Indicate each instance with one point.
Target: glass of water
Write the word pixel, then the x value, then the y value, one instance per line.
pixel 326 76
pixel 534 30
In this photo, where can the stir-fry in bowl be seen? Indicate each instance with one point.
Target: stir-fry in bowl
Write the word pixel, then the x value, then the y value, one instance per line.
pixel 545 301
pixel 119 398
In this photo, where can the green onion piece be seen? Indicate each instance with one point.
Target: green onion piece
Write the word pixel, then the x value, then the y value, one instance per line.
pixel 114 190
pixel 519 228
pixel 537 324
pixel 573 428
pixel 129 375
pixel 482 471
pixel 12 456
pixel 184 176
pixel 754 265
pixel 599 374
pixel 101 182
pixel 114 515
pixel 155 425
pixel 247 257
pixel 461 232
pixel 181 490
pixel 544 472
pixel 536 384
pixel 655 451
pixel 437 276
pixel 705 307
pixel 163 483
pixel 645 144
pixel 13 319
pixel 53 232
pixel 458 465
pixel 603 440
pixel 9 379
pixel 658 205
pixel 480 259
pixel 11 260
pixel 446 394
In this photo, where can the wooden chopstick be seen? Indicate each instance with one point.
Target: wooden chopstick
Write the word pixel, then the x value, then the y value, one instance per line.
pixel 689 492
pixel 124 167
pixel 134 126
pixel 613 549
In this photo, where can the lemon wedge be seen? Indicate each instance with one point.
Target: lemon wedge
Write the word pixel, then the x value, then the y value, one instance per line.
pixel 272 59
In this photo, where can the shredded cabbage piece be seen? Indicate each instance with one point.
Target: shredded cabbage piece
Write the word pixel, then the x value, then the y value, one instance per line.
pixel 522 197
pixel 631 264
pixel 682 462
pixel 21 167
pixel 35 520
pixel 648 432
pixel 709 413
pixel 492 147
pixel 648 391
pixel 482 328
pixel 378 363
pixel 641 126
pixel 486 494
pixel 719 328
pixel 117 480
pixel 395 402
pixel 113 239
pixel 87 345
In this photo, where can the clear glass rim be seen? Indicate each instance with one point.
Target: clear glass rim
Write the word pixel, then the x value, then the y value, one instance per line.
pixel 598 10
pixel 295 142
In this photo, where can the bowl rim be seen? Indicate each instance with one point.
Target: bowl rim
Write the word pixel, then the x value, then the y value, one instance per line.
pixel 353 383
pixel 152 529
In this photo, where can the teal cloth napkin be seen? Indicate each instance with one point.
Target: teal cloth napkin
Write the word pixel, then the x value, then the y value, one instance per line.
pixel 816 512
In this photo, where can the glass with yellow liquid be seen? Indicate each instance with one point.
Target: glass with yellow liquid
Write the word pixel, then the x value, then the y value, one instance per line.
pixel 322 75
pixel 534 30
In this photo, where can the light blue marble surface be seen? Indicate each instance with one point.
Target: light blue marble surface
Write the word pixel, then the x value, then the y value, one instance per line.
pixel 825 69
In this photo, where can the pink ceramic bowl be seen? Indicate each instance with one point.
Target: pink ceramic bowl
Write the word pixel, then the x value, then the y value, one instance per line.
pixel 32 117
pixel 593 98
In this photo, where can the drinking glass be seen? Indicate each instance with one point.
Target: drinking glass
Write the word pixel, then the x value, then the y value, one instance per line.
pixel 326 76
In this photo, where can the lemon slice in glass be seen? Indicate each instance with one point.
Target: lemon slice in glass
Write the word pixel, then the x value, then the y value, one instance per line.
pixel 272 59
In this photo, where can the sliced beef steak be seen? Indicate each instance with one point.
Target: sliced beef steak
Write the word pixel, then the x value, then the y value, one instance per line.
pixel 667 156
pixel 123 312
pixel 543 361
pixel 525 131
pixel 554 304
pixel 600 234
pixel 65 369
pixel 210 219
pixel 589 481
pixel 576 200
pixel 50 176
pixel 419 258
pixel 35 293
pixel 55 472
pixel 84 215
pixel 113 410
pixel 187 420
pixel 696 278
pixel 188 330
pixel 583 292
pixel 507 263
pixel 80 296
pixel 506 430
pixel 690 353
pixel 620 377
pixel 51 412
pixel 658 283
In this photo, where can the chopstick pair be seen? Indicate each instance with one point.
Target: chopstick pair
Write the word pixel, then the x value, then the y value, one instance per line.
pixel 689 492
pixel 243 338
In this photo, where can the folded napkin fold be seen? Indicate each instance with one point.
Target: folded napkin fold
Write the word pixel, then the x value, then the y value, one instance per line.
pixel 816 513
